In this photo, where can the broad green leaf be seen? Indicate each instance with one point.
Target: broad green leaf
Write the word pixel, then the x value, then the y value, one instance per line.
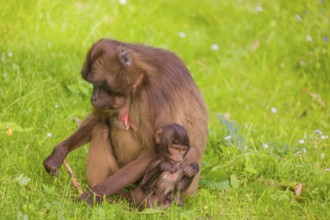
pixel 234 182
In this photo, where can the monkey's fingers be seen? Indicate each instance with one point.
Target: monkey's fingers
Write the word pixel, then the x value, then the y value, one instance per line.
pixel 189 171
pixel 91 198
pixel 51 166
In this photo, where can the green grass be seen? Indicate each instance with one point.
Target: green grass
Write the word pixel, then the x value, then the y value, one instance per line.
pixel 264 60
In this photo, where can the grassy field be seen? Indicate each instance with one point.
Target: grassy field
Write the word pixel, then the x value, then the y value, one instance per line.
pixel 262 66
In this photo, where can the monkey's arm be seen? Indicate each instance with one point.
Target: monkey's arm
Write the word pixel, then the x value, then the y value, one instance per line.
pixel 189 173
pixel 81 136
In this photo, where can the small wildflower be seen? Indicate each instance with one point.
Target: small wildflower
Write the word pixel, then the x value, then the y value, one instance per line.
pixel 265 146
pixel 298 17
pixel 273 110
pixel 323 137
pixel 302 63
pixel 229 137
pixel 23 180
pixel 56 106
pixel 10 54
pixel 304 150
pixel 182 34
pixel 9 132
pixel 214 47
pixel 301 141
pixel 325 39
pixel 322 156
pixel 317 131
pixel 259 8
pixel 4 74
pixel 49 135
pixel 309 38
pixel 122 2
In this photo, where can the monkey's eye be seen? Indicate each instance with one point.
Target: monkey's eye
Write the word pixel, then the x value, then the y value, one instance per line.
pixel 175 141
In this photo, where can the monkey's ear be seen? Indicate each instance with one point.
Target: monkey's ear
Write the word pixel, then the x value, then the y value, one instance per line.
pixel 87 64
pixel 158 134
pixel 124 57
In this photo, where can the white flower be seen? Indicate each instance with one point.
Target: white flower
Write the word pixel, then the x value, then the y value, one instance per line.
pixel 265 146
pixel 298 17
pixel 304 150
pixel 122 2
pixel 302 63
pixel 309 38
pixel 273 110
pixel 259 8
pixel 228 137
pixel 323 137
pixel 49 135
pixel 317 131
pixel 10 54
pixel 182 34
pixel 301 141
pixel 322 156
pixel 56 106
pixel 214 47
pixel 4 74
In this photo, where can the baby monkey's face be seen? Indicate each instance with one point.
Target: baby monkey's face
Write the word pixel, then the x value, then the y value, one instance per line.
pixel 177 152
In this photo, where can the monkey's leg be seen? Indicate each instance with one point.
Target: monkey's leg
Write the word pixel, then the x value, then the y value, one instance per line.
pixel 127 174
pixel 101 161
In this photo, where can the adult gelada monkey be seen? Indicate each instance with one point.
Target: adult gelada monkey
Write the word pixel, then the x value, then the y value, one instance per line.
pixel 168 173
pixel 137 89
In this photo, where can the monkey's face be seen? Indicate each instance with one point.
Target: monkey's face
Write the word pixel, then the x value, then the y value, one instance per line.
pixel 173 142
pixel 177 152
pixel 110 67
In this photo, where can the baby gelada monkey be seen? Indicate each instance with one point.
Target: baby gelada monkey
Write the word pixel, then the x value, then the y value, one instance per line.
pixel 168 174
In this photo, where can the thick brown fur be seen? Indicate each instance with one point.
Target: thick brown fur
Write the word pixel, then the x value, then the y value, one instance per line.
pixel 152 87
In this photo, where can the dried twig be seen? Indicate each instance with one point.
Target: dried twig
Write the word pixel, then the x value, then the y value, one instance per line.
pixel 315 97
pixel 297 188
pixel 74 181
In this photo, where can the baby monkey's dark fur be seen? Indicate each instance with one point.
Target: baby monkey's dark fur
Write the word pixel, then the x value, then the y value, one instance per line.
pixel 168 173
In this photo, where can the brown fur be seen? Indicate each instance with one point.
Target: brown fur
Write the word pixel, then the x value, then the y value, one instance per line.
pixel 156 89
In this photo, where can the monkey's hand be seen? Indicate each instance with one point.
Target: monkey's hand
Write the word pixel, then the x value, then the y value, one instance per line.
pixel 91 198
pixel 169 167
pixel 53 162
pixel 191 169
